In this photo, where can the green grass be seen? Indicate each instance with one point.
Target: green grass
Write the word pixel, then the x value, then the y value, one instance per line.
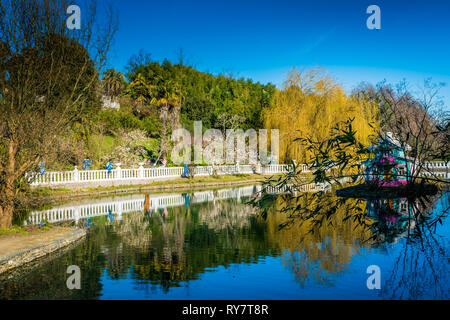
pixel 13 230
pixel 21 230
pixel 100 146
pixel 46 191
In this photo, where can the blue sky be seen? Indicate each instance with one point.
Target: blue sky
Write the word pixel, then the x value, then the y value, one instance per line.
pixel 264 39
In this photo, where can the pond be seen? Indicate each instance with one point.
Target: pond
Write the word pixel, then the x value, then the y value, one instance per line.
pixel 213 245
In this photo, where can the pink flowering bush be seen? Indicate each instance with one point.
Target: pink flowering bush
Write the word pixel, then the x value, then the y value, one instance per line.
pixel 387 159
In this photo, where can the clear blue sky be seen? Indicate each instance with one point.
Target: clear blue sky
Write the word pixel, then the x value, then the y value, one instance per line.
pixel 264 39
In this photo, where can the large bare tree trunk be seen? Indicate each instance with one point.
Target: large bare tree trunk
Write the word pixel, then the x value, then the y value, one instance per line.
pixel 7 207
pixel 8 204
pixel 8 190
pixel 6 216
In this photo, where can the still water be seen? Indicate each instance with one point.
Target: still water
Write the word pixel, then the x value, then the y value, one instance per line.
pixel 213 245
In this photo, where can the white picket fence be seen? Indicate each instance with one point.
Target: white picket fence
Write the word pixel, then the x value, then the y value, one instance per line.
pixel 438 165
pixel 160 173
pixel 85 176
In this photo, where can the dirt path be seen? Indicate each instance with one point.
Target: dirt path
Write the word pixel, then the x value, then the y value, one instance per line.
pixel 11 244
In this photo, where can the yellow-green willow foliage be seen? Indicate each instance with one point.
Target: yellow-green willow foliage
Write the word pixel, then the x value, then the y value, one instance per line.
pixel 309 106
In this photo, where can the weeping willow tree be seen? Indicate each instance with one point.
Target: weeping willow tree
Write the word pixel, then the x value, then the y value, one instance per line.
pixel 309 105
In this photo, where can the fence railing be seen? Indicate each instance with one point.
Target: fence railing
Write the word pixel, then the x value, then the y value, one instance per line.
pixel 141 173
pixel 438 165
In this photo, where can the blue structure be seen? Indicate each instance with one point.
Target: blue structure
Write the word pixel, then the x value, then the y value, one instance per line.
pixel 41 167
pixel 389 166
pixel 185 171
pixel 109 166
pixel 110 216
pixel 394 216
pixel 86 164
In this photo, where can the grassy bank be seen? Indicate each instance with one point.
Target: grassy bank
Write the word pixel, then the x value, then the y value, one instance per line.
pixel 22 230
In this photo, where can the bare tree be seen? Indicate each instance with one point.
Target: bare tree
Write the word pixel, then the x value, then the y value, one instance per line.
pixel 48 81
pixel 419 123
pixel 226 121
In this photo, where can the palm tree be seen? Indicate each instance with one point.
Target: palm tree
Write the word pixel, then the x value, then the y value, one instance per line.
pixel 165 95
pixel 139 90
pixel 113 83
pixel 168 100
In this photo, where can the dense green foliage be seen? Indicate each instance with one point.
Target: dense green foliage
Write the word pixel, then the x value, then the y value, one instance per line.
pixel 114 121
pixel 157 98
pixel 205 96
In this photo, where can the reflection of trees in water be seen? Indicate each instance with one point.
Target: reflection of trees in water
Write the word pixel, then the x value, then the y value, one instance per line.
pixel 419 274
pixel 49 280
pixel 330 230
pixel 225 214
pixel 421 270
pixel 162 251
pixel 320 246
pixel 150 243
pixel 166 249
pixel 133 229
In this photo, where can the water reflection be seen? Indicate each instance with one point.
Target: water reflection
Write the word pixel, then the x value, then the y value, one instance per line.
pixel 421 267
pixel 150 246
pixel 411 232
pixel 122 205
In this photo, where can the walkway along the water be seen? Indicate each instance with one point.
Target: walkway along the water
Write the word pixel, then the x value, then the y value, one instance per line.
pixel 24 250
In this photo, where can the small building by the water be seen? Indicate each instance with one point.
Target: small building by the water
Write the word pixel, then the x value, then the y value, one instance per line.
pixel 389 166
